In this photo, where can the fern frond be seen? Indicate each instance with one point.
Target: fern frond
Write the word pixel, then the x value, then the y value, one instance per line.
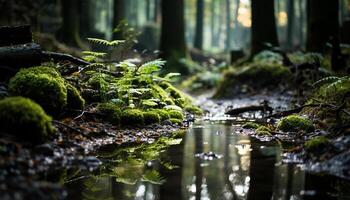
pixel 94 53
pixel 151 67
pixel 329 79
pixel 105 42
pixel 153 177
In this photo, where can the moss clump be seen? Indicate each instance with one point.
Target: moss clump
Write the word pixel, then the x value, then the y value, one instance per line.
pixel 295 123
pixel 176 121
pixel 132 117
pixel 256 76
pixel 74 99
pixel 194 110
pixel 263 130
pixel 25 119
pixel 251 125
pixel 174 114
pixel 316 143
pixel 43 85
pixel 112 112
pixel 151 117
pixel 179 134
pixel 163 114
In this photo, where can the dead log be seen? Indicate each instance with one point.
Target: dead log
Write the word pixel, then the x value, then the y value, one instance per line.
pixel 14 35
pixel 253 108
pixel 23 55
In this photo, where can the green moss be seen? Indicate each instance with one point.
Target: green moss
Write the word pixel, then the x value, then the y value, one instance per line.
pixel 295 123
pixel 151 117
pixel 47 89
pixel 163 114
pixel 74 99
pixel 263 133
pixel 251 125
pixel 263 130
pixel 25 119
pixel 176 121
pixel 256 76
pixel 194 110
pixel 112 112
pixel 174 114
pixel 132 117
pixel 179 134
pixel 316 143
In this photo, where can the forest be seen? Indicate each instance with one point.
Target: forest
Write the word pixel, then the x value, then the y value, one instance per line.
pixel 175 99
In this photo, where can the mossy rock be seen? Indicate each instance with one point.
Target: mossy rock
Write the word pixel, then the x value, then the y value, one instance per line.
pixel 46 88
pixel 163 114
pixel 132 117
pixel 263 131
pixel 179 134
pixel 316 143
pixel 112 112
pixel 74 99
pixel 251 125
pixel 151 117
pixel 176 121
pixel 25 119
pixel 255 76
pixel 295 123
pixel 174 114
pixel 194 110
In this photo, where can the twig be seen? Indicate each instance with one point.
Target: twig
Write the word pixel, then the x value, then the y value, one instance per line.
pixel 252 108
pixel 60 56
pixel 72 128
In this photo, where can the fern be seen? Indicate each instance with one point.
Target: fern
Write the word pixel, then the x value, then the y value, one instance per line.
pixel 153 177
pixel 327 80
pixel 151 67
pixel 106 42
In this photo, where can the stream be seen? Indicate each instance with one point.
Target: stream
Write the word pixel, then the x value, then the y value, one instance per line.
pixel 213 161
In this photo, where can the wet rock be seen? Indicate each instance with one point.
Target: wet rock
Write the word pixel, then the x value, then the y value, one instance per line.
pixel 208 156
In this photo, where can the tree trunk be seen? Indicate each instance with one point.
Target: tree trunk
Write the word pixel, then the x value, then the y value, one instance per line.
pixel 156 11
pixel 198 41
pixel 235 22
pixel 301 23
pixel 87 22
pixel 173 44
pixel 118 16
pixel 212 22
pixel 322 23
pixel 263 25
pixel 69 32
pixel 290 26
pixel 228 25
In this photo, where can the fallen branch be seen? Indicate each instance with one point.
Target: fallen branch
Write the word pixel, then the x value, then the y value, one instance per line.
pixel 57 57
pixel 253 108
pixel 72 128
pixel 299 109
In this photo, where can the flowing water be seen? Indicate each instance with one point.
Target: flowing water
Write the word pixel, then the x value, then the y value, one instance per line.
pixel 213 161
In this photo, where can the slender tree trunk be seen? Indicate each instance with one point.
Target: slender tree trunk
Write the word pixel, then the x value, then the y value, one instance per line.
pixel 263 25
pixel 237 30
pixel 69 32
pixel 148 10
pixel 301 23
pixel 156 11
pixel 290 26
pixel 118 16
pixel 198 41
pixel 212 22
pixel 173 44
pixel 323 23
pixel 228 25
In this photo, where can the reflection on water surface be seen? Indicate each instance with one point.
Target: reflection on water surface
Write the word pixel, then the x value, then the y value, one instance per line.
pixel 231 166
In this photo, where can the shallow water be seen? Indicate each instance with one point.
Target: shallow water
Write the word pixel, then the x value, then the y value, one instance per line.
pixel 212 162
